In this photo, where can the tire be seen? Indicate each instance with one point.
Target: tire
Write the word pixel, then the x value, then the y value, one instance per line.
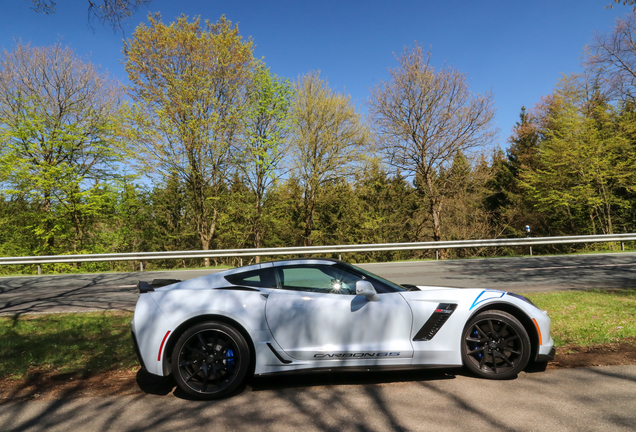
pixel 210 360
pixel 495 345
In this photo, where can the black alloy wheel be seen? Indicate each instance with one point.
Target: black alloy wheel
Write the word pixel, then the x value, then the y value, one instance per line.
pixel 495 345
pixel 210 360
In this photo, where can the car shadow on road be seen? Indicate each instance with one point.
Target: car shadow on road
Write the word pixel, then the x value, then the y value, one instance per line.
pixel 272 382
pixel 162 386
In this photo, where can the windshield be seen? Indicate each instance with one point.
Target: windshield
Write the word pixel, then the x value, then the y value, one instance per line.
pixel 381 285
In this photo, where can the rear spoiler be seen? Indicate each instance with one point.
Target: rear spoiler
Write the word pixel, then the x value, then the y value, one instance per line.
pixel 144 287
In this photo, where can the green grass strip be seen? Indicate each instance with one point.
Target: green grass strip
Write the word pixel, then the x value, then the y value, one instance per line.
pixel 590 317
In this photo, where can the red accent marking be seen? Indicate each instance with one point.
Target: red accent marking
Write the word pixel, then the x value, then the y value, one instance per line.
pixel 161 347
pixel 538 331
pixel 438 310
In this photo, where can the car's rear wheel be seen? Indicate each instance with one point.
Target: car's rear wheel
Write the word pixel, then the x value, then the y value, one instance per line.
pixel 495 345
pixel 210 360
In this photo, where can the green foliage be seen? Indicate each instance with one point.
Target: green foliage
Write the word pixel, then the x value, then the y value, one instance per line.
pixel 331 141
pixel 58 127
pixel 586 158
pixel 188 85
pixel 511 207
pixel 261 152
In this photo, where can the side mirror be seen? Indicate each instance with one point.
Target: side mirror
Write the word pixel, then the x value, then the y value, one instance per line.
pixel 366 289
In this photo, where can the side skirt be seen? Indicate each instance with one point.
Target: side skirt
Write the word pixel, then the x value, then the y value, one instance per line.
pixel 361 369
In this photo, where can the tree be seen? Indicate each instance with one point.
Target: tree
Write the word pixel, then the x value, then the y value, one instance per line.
pixel 614 58
pixel 390 208
pixel 510 206
pixel 586 159
pixel 424 118
pixel 188 85
pixel 111 12
pixel 17 214
pixel 465 215
pixel 330 140
pixel 284 206
pixel 58 121
pixel 264 145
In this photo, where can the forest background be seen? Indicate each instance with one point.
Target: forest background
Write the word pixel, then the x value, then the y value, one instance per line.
pixel 205 148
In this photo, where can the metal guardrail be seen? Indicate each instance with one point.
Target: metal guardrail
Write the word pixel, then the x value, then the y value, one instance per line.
pixel 309 250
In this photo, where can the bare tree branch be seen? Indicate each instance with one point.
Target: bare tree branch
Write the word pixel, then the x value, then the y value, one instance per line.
pixel 613 58
pixel 108 12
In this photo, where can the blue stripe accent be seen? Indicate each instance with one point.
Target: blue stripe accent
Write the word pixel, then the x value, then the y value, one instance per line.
pixel 477 301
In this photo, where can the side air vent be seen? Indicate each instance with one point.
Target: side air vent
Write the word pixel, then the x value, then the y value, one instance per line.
pixel 435 322
pixel 280 359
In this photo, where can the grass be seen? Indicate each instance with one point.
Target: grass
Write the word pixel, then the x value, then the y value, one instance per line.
pixel 590 317
pixel 100 341
pixel 65 343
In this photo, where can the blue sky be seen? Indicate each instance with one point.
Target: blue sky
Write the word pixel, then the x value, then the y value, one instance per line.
pixel 517 49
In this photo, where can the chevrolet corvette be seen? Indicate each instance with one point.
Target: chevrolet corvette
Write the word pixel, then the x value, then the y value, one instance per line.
pixel 307 315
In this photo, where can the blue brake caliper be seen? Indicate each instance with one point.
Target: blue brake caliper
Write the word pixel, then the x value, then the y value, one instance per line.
pixel 230 360
pixel 474 345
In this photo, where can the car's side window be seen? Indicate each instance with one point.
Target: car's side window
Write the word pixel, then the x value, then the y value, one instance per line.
pixel 262 278
pixel 318 278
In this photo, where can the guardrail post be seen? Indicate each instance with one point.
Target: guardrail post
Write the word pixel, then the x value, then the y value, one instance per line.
pixel 141 266
pixel 39 269
pixel 436 254
pixel 530 250
pixel 623 246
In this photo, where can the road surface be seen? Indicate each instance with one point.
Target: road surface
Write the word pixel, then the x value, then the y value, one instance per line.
pixel 581 400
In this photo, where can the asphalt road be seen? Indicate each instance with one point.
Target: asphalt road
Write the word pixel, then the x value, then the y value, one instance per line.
pixel 117 290
pixel 589 399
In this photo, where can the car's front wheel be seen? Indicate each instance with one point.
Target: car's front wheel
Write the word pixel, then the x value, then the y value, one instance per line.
pixel 495 345
pixel 210 360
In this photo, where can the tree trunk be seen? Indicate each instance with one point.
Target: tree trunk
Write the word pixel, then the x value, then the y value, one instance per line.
pixel 258 227
pixel 207 235
pixel 205 245
pixel 50 239
pixel 309 216
pixel 435 209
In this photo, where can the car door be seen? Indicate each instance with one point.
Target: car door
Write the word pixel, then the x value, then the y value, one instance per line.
pixel 316 315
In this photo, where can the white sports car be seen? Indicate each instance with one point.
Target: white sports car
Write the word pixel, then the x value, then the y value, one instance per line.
pixel 320 315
